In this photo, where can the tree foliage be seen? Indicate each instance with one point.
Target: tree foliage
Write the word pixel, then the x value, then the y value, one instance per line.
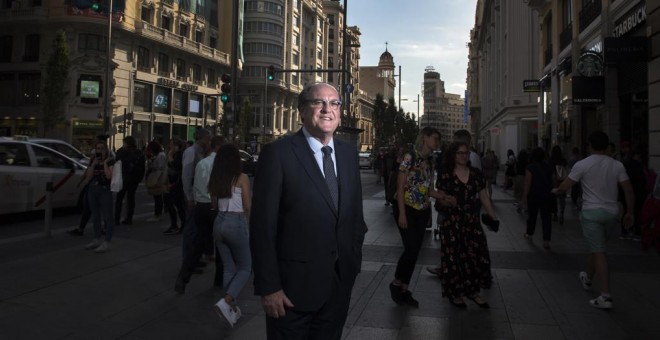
pixel 55 83
pixel 392 125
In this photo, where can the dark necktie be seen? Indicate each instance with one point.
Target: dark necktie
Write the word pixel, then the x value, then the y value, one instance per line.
pixel 330 177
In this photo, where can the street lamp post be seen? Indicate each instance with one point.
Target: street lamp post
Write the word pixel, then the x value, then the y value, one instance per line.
pixel 108 61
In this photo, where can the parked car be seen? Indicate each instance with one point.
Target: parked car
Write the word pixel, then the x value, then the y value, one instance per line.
pixel 57 145
pixel 248 162
pixel 365 160
pixel 26 167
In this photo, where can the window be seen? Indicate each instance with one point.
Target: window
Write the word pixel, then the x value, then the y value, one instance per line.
pixel 213 42
pixel 91 43
pixel 296 58
pixel 30 87
pixel 181 69
pixel 331 19
pixel 184 30
pixel 14 154
pixel 7 89
pixel 180 103
pixel 194 105
pixel 163 65
pixel 166 23
pixel 5 48
pixel 199 36
pixel 141 97
pixel 296 21
pixel 162 100
pixel 31 47
pixel 197 74
pixel 146 14
pixel 48 159
pixel 212 79
pixel 331 33
pixel 567 13
pixel 143 63
pixel 211 108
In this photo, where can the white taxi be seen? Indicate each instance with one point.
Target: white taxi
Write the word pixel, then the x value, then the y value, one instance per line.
pixel 25 170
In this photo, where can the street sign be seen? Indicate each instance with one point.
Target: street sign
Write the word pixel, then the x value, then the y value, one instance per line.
pixel 348 88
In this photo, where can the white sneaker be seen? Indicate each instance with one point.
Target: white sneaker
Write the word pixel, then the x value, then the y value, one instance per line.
pixel 223 309
pixel 94 244
pixel 153 219
pixel 105 246
pixel 584 279
pixel 602 302
pixel 238 313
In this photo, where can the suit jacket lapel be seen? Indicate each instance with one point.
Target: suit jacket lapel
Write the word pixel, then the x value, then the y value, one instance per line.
pixel 305 156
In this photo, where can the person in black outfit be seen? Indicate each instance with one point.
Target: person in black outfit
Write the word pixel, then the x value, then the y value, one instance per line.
pixel 132 171
pixel 174 201
pixel 537 195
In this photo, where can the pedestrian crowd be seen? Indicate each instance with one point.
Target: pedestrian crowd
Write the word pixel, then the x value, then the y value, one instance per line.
pixel 301 225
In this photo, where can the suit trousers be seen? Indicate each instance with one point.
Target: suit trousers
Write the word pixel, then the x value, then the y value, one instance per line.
pixel 327 323
pixel 128 190
pixel 412 238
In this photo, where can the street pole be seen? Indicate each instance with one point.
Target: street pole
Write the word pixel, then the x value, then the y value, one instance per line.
pixel 400 86
pixel 263 117
pixel 419 119
pixel 234 69
pixel 108 60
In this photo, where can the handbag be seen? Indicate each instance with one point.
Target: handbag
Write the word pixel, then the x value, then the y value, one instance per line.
pixel 116 182
pixel 156 182
pixel 492 224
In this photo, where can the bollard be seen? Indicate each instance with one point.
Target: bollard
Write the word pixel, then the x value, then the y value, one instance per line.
pixel 48 213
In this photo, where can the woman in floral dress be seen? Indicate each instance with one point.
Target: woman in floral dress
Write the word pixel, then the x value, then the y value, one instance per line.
pixel 465 261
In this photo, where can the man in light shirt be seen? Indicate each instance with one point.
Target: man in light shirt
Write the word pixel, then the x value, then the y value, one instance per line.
pixel 600 175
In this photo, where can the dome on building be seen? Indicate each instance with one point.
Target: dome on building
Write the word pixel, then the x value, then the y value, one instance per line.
pixel 386 59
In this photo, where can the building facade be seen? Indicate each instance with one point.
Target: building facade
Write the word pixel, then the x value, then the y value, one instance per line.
pixel 595 72
pixel 502 56
pixel 161 69
pixel 443 111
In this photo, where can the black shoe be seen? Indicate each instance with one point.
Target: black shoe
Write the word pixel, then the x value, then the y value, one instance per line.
pixel 75 232
pixel 407 299
pixel 173 230
pixel 180 285
pixel 395 293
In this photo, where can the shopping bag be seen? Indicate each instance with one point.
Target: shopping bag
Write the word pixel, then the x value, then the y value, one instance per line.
pixel 117 182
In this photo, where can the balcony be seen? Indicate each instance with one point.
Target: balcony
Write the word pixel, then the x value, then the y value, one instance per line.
pixel 158 34
pixel 566 36
pixel 23 14
pixel 589 13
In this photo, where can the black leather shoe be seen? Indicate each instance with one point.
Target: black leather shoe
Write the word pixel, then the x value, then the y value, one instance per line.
pixel 395 293
pixel 179 285
pixel 407 299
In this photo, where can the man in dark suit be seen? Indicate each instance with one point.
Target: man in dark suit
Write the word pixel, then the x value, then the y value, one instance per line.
pixel 307 225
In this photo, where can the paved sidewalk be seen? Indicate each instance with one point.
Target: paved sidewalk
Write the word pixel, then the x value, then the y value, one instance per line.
pixel 52 289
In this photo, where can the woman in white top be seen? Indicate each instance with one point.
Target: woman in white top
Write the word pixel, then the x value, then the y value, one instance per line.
pixel 230 188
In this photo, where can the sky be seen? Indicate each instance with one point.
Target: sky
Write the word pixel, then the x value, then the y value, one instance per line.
pixel 419 33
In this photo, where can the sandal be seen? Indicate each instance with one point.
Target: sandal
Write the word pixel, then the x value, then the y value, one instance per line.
pixel 479 301
pixel 458 302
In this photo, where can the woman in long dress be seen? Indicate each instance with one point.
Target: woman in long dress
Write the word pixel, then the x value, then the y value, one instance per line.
pixel 465 263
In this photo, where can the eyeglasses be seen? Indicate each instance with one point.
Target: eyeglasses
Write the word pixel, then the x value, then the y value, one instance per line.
pixel 319 103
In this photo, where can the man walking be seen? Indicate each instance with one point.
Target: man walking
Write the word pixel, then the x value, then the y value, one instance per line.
pixel 191 236
pixel 307 225
pixel 599 175
pixel 132 169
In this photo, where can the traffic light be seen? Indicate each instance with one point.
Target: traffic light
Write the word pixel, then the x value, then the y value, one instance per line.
pixel 271 72
pixel 96 6
pixel 225 88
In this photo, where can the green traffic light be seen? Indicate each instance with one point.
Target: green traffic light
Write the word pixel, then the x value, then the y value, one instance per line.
pixel 224 97
pixel 271 77
pixel 96 7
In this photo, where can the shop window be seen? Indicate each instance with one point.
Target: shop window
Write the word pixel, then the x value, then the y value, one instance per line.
pixel 195 105
pixel 142 97
pixel 180 107
pixel 5 48
pixel 162 100
pixel 31 47
pixel 211 108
